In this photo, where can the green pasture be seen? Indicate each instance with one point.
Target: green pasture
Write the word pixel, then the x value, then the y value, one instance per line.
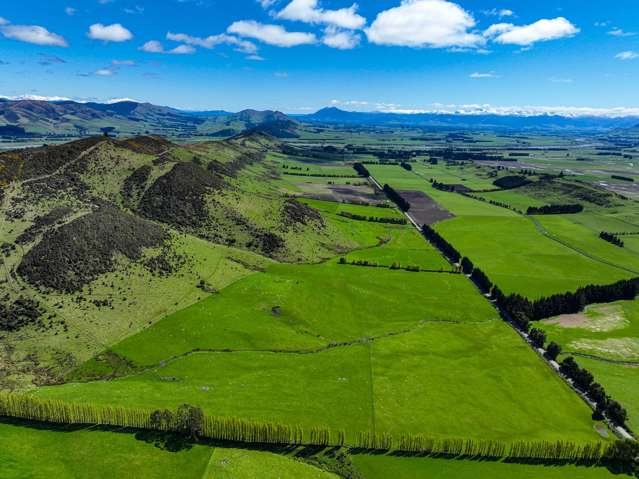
pixel 405 248
pixel 40 453
pixel 299 307
pixel 605 340
pixel 521 260
pixel 383 467
pixel 249 464
pixel 620 381
pixel 365 349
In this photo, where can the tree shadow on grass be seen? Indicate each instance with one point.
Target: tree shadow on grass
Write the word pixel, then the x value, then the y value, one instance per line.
pixel 167 441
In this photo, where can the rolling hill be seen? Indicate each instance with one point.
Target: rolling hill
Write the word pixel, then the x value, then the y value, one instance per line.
pixel 33 118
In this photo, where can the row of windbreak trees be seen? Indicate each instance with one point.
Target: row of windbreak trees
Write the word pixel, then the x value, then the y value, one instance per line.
pixel 396 198
pixel 567 303
pixel 521 311
pixel 191 420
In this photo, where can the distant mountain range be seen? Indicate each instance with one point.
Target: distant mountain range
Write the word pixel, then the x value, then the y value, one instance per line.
pixel 69 118
pixel 469 121
pixel 37 118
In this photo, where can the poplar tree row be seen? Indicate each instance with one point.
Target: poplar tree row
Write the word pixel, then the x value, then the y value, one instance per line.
pixel 190 420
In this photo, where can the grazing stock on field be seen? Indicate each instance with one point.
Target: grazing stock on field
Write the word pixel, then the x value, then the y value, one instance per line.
pixel 319 239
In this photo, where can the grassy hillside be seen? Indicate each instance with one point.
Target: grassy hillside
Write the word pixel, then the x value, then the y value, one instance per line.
pixel 101 238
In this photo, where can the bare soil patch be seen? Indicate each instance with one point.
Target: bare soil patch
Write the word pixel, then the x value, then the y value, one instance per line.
pixel 424 209
pixel 356 194
pixel 596 319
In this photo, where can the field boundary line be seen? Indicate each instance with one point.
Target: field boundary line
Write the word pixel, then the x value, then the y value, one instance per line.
pixel 362 341
pixel 594 357
pixel 544 232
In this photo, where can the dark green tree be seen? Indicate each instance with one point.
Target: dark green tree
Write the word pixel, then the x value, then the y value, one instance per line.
pixel 190 420
pixel 537 337
pixel 553 350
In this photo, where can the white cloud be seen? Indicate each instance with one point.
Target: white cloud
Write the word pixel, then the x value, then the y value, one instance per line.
pixel 618 32
pixel 136 10
pixel 209 42
pixel 70 11
pixel 182 50
pixel 527 35
pixel 281 74
pixel 267 3
pixel 104 72
pixel 3 21
pixel 271 34
pixel 128 63
pixel 308 11
pixel 504 12
pixel 33 34
pixel 154 46
pixel 425 23
pixel 627 55
pixel 340 39
pixel 479 75
pixel 255 58
pixel 109 33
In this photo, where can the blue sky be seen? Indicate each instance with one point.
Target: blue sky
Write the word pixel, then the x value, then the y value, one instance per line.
pixel 301 55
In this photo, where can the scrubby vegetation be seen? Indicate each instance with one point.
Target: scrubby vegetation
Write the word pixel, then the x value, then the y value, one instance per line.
pixel 78 252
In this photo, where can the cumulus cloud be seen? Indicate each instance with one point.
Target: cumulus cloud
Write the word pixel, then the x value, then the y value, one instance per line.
pixel 340 39
pixel 527 35
pixel 425 23
pixel 109 33
pixel 271 34
pixel 127 63
pixel 210 42
pixel 627 55
pixel 70 11
pixel 308 11
pixel 33 34
pixel 154 46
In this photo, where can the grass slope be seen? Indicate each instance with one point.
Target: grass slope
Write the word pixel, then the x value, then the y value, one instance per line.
pixel 75 454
